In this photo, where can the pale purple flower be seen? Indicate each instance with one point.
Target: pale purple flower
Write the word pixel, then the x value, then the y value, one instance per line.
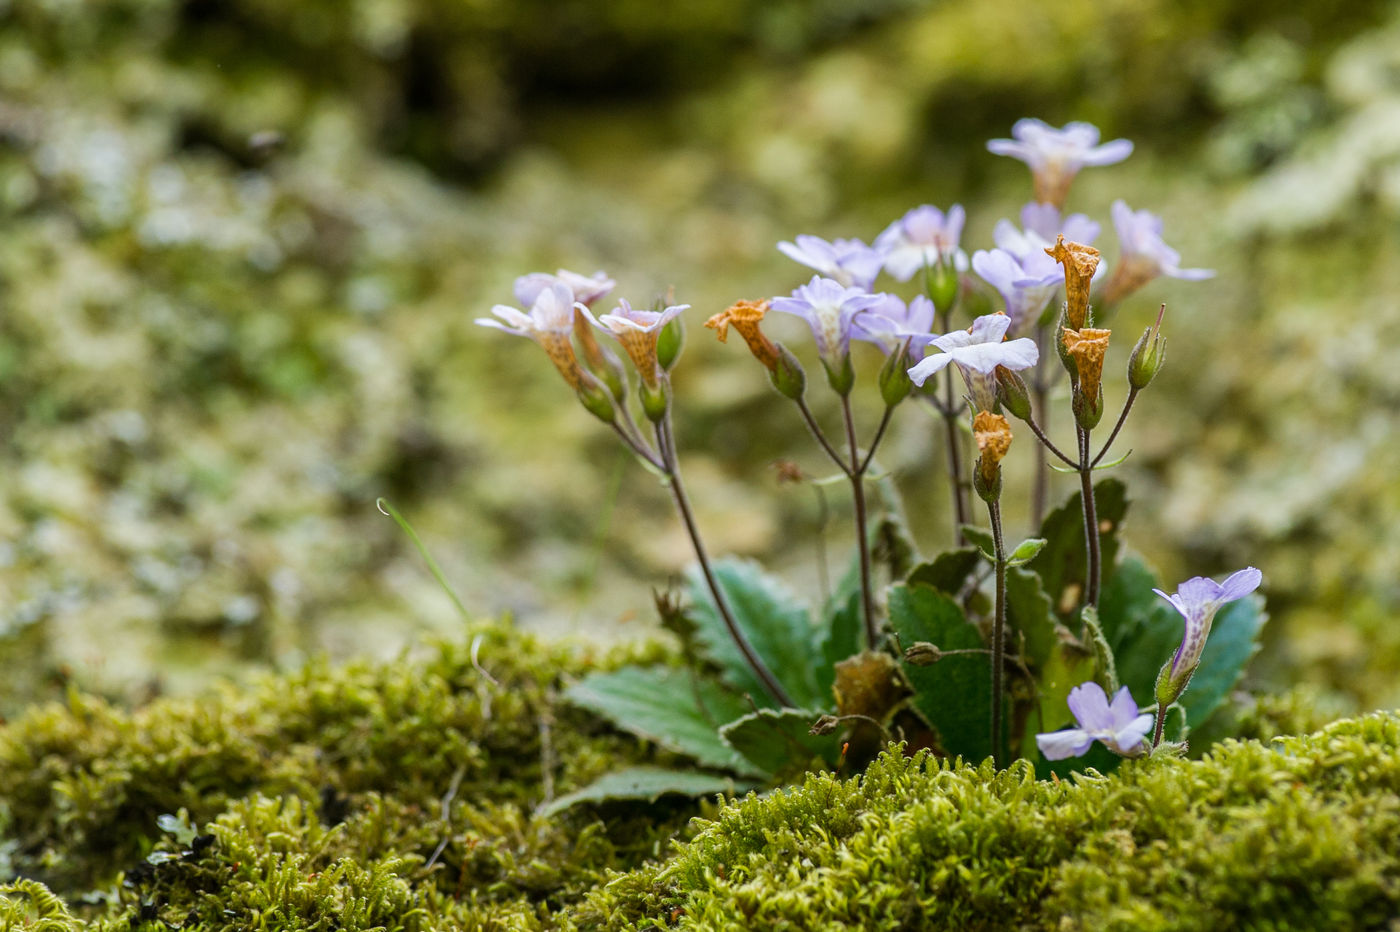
pixel 922 238
pixel 1117 724
pixel 978 351
pixel 1198 599
pixel 1042 223
pixel 1142 254
pixel 1055 156
pixel 1025 284
pixel 828 307
pixel 585 288
pixel 889 323
pixel 637 330
pixel 549 322
pixel 848 261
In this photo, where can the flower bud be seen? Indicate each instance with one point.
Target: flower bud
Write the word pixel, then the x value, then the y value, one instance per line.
pixel 825 725
pixel 841 380
pixel 1012 392
pixel 923 653
pixel 895 383
pixel 1148 356
pixel 941 283
pixel 787 375
pixel 1169 687
pixel 655 399
pixel 670 343
pixel 594 396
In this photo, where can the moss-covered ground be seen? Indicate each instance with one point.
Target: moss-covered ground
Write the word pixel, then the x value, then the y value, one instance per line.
pixel 404 796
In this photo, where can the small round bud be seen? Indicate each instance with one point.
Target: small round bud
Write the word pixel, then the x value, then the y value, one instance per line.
pixel 895 383
pixel 656 399
pixel 1087 413
pixel 1012 393
pixel 597 399
pixel 841 380
pixel 1148 355
pixel 670 343
pixel 787 375
pixel 825 725
pixel 941 283
pixel 923 653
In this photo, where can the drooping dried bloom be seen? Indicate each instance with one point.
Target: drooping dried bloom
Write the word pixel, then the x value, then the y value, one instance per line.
pixel 1088 347
pixel 549 323
pixel 829 308
pixel 923 238
pixel 1080 262
pixel 848 261
pixel 1144 255
pixel 637 331
pixel 1198 599
pixel 745 316
pixel 993 436
pixel 1118 724
pixel 1055 156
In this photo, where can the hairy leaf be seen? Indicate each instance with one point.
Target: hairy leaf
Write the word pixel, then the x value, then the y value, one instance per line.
pixel 949 571
pixel 780 742
pixel 648 784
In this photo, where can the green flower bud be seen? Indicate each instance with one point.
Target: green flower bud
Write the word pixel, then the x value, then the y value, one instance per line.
pixel 923 653
pixel 895 383
pixel 1011 391
pixel 1088 413
pixel 595 397
pixel 941 283
pixel 670 343
pixel 787 375
pixel 1148 355
pixel 655 399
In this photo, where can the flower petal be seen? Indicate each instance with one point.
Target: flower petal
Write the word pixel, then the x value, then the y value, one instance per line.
pixel 1058 745
pixel 1089 703
pixel 1240 584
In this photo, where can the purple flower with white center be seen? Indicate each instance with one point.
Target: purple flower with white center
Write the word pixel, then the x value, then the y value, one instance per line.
pixel 978 351
pixel 549 322
pixel 1198 599
pixel 637 330
pixel 1142 254
pixel 828 307
pixel 891 322
pixel 586 288
pixel 1055 156
pixel 1042 224
pixel 922 238
pixel 1118 724
pixel 1025 283
pixel 848 261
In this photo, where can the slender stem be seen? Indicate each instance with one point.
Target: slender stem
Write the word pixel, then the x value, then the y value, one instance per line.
pixel 672 468
pixel 816 430
pixel 875 441
pixel 638 447
pixel 1040 435
pixel 823 518
pixel 1091 520
pixel 1040 491
pixel 1122 418
pixel 1161 723
pixel 855 472
pixel 998 632
pixel 955 472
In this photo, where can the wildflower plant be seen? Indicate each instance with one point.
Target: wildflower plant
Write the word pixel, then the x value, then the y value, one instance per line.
pixel 1018 659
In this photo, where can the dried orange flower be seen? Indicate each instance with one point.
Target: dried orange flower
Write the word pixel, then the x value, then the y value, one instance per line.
pixel 1088 347
pixel 993 435
pixel 745 316
pixel 1080 262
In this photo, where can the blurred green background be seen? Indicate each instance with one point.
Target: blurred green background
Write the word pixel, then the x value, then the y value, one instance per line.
pixel 242 244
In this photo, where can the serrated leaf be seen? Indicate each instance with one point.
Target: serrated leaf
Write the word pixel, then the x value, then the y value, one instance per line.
pixel 954 694
pixel 1026 551
pixel 776 624
pixel 1062 563
pixel 780 741
pixel 668 706
pixel 949 571
pixel 647 784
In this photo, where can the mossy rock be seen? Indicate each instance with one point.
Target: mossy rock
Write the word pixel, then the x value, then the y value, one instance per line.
pixel 406 796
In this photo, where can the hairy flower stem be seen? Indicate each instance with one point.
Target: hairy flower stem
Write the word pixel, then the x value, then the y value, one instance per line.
pixel 1122 419
pixel 1091 520
pixel 856 472
pixel 820 436
pixel 666 442
pixel 998 632
pixel 1040 491
pixel 1161 723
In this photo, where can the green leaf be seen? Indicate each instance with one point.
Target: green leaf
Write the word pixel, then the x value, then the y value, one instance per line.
pixel 1062 564
pixel 776 624
pixel 668 706
pixel 948 572
pixel 982 539
pixel 840 638
pixel 1029 612
pixel 1233 640
pixel 953 695
pixel 1067 667
pixel 1026 551
pixel 647 784
pixel 780 742
pixel 1127 603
